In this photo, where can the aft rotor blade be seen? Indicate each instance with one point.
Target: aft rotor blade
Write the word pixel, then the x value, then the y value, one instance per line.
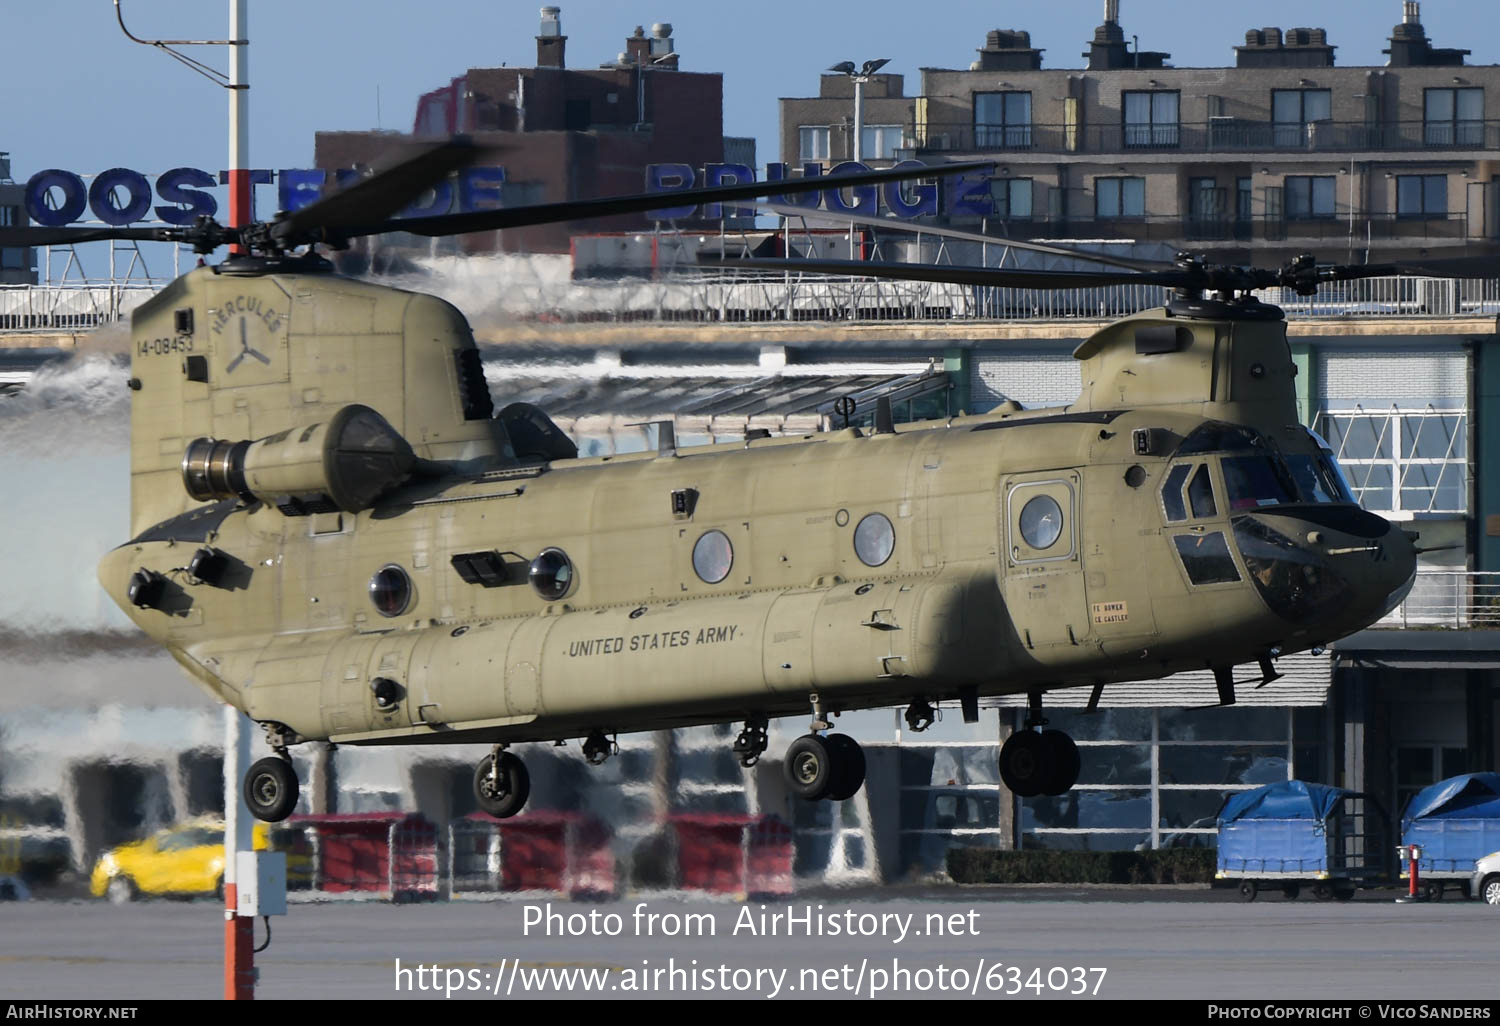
pixel 959 275
pixel 39 235
pixel 584 210
pixel 376 196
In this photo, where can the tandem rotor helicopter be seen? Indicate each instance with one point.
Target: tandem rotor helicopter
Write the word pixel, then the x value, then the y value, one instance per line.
pixel 335 531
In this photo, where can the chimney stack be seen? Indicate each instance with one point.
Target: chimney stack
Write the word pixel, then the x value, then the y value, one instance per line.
pixel 1111 12
pixel 1411 12
pixel 550 42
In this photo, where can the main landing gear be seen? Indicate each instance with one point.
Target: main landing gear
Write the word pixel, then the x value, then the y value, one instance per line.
pixel 822 766
pixel 501 783
pixel 270 787
pixel 1035 762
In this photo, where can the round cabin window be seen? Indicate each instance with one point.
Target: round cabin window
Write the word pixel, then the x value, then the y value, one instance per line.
pixel 874 540
pixel 713 556
pixel 1041 522
pixel 551 574
pixel 390 590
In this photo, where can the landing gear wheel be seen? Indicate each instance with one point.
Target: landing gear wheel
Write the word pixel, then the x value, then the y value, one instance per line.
pixel 121 891
pixel 1027 763
pixel 1290 891
pixel 809 767
pixel 1066 763
pixel 1322 891
pixel 271 789
pixel 1248 890
pixel 502 784
pixel 848 766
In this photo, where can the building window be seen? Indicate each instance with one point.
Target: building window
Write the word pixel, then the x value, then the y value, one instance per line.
pixel 814 142
pixel 1402 460
pixel 1002 121
pixel 1293 111
pixel 1119 197
pixel 8 217
pixel 880 142
pixel 1156 778
pixel 1309 197
pixel 1151 120
pixel 1453 117
pixel 1012 198
pixel 1422 196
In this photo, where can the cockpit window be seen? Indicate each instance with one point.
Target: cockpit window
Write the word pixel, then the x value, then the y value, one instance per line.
pixel 1254 481
pixel 1217 437
pixel 1201 494
pixel 1317 476
pixel 1171 493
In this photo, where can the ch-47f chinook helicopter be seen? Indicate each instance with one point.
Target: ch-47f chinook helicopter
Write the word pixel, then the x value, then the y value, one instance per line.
pixel 335 532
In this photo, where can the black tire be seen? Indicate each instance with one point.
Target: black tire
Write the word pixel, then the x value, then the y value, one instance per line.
pixel 271 789
pixel 1026 763
pixel 1248 890
pixel 848 766
pixel 1323 890
pixel 121 890
pixel 1344 893
pixel 1489 889
pixel 1066 763
pixel 1433 891
pixel 809 767
pixel 1290 891
pixel 504 793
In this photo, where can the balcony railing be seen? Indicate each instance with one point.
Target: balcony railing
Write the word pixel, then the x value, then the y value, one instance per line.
pixel 1455 599
pixel 1226 135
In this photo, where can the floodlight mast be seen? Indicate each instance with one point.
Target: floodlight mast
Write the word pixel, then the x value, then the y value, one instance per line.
pixel 860 77
pixel 239 939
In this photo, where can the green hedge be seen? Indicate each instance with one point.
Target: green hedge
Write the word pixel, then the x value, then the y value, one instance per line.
pixel 1167 866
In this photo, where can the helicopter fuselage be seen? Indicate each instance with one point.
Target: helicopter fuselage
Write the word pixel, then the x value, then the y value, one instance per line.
pixel 1014 552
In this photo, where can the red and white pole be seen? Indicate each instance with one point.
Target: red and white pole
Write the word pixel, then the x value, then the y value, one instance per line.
pixel 239 116
pixel 239 937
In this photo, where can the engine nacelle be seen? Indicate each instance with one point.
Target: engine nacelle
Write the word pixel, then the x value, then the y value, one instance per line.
pixel 346 463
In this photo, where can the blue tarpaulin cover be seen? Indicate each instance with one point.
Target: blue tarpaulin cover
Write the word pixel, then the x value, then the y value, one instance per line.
pixel 1280 828
pixel 1455 821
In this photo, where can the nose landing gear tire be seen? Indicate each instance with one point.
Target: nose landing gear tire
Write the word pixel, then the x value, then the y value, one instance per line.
pixel 501 785
pixel 1066 763
pixel 271 789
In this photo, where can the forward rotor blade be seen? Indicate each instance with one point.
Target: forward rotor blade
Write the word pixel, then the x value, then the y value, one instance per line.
pixel 786 210
pixel 583 210
pixel 958 275
pixel 377 196
pixel 1442 267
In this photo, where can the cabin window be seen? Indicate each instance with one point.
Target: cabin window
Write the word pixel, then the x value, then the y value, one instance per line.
pixel 551 574
pixel 874 540
pixel 390 590
pixel 1206 558
pixel 1041 522
pixel 713 556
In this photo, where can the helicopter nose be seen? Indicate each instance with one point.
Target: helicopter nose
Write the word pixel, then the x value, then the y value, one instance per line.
pixel 1332 570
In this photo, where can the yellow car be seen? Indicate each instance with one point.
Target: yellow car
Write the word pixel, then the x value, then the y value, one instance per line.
pixel 186 859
